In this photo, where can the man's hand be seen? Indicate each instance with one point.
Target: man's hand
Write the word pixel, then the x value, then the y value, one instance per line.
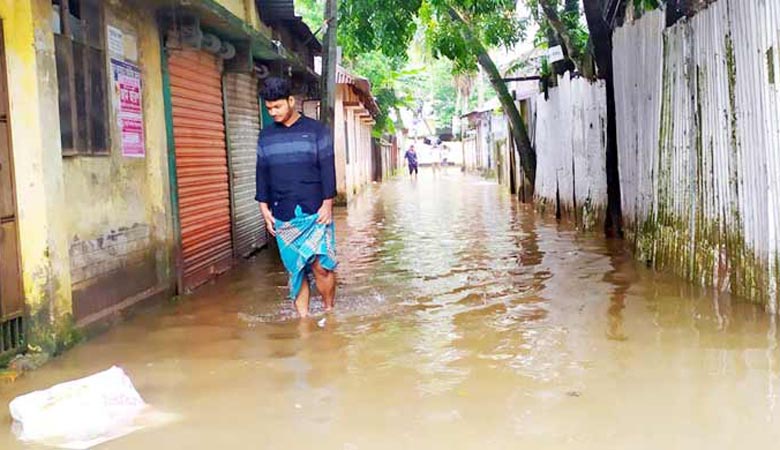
pixel 270 222
pixel 325 214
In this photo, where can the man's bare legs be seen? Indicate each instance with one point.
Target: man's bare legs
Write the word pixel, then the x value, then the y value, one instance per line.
pixel 326 284
pixel 302 301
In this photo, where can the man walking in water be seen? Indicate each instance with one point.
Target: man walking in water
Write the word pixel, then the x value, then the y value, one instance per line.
pixel 411 159
pixel 296 184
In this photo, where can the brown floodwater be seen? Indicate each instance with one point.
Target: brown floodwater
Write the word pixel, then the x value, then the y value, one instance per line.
pixel 464 321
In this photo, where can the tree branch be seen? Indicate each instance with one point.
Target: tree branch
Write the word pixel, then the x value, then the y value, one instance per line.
pixel 550 11
pixel 517 126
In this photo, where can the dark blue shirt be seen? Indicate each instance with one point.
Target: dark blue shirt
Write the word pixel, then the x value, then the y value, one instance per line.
pixel 295 166
pixel 411 157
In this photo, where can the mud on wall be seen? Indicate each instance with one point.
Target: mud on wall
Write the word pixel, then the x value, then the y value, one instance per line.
pixel 698 119
pixel 569 130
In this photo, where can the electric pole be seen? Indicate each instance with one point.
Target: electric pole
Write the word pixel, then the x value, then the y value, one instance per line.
pixel 329 62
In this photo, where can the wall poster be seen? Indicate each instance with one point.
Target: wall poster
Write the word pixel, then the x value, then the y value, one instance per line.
pixel 127 89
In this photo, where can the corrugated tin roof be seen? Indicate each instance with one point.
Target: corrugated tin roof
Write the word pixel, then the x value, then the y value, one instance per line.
pixel 490 105
pixel 283 11
pixel 272 10
pixel 361 85
pixel 304 33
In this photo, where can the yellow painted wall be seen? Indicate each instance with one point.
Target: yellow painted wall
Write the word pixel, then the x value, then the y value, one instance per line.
pixel 38 170
pixel 237 7
pixel 340 143
pixel 118 191
pixel 246 10
pixel 115 195
pixel 63 200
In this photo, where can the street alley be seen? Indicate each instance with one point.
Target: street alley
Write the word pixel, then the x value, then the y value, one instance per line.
pixel 463 320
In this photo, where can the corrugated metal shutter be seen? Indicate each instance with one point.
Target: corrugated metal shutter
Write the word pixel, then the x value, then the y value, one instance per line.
pixel 243 119
pixel 201 165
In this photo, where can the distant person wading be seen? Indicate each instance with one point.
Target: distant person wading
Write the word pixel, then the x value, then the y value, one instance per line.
pixel 411 159
pixel 296 184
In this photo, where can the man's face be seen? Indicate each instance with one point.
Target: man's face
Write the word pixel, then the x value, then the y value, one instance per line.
pixel 280 110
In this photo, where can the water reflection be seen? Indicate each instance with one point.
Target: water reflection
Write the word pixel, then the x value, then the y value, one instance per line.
pixel 621 280
pixel 464 319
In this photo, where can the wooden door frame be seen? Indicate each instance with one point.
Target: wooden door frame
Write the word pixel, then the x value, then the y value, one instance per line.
pixel 12 325
pixel 9 136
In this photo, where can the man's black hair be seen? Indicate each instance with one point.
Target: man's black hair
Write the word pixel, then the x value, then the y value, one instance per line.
pixel 276 88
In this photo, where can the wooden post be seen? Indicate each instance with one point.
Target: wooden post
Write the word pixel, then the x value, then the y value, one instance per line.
pixel 329 57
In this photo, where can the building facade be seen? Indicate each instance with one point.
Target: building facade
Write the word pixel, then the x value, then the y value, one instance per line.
pixel 128 132
pixel 354 122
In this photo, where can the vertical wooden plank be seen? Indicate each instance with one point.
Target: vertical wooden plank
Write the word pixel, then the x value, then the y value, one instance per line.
pixel 7 203
pixel 11 303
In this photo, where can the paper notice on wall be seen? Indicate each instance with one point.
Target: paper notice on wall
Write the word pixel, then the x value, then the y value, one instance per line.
pixel 555 54
pixel 116 41
pixel 127 89
pixel 131 47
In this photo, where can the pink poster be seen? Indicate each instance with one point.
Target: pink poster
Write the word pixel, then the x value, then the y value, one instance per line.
pixel 127 88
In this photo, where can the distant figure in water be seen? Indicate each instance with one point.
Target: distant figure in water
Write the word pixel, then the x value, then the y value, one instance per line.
pixel 436 158
pixel 296 184
pixel 411 158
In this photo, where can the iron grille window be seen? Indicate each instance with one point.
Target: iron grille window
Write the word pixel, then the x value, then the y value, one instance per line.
pixel 81 76
pixel 11 336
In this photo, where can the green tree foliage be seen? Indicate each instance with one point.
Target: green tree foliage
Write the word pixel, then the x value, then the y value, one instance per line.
pixel 493 23
pixel 646 5
pixel 312 12
pixel 384 25
pixel 560 23
pixel 459 30
pixel 440 87
pixel 392 85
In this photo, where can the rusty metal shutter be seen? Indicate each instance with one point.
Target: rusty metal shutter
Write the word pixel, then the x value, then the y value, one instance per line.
pixel 201 165
pixel 243 120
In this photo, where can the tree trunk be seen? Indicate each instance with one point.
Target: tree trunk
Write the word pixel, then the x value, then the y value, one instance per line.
pixel 519 133
pixel 563 33
pixel 329 63
pixel 601 36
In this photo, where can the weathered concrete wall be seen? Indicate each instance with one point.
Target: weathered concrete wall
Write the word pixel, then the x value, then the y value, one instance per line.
pixel 118 218
pixel 487 145
pixel 698 110
pixel 351 134
pixel 38 172
pixel 340 143
pixel 470 152
pixel 360 164
pixel 499 147
pixel 570 137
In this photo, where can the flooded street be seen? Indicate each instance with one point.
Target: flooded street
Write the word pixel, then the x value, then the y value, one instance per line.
pixel 464 320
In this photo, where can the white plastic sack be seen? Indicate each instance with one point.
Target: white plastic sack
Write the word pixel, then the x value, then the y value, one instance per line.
pixel 82 413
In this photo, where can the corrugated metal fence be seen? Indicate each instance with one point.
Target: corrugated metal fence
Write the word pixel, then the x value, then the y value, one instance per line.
pixel 570 139
pixel 698 110
pixel 243 117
